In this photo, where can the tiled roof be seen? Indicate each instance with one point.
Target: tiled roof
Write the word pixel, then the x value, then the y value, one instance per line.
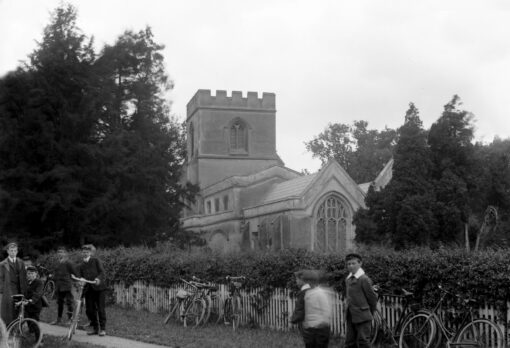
pixel 289 188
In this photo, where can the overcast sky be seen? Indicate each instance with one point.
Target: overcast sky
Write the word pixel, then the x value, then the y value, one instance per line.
pixel 327 61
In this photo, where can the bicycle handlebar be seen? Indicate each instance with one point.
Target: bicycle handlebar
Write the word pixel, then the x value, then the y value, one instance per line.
pixel 83 280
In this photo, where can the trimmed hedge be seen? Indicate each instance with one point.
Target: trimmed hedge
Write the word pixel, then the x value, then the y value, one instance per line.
pixel 483 275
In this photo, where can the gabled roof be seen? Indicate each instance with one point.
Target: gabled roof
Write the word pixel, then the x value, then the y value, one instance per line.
pixel 290 188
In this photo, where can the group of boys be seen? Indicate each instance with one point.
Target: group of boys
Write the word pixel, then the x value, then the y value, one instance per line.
pixel 18 278
pixel 313 309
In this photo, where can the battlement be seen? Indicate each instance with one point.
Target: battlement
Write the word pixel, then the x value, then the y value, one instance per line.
pixel 203 98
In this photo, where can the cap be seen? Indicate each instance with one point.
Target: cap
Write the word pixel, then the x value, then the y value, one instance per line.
pixel 11 244
pixel 88 247
pixel 31 269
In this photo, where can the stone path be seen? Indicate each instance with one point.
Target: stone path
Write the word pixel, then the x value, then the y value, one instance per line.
pixel 105 341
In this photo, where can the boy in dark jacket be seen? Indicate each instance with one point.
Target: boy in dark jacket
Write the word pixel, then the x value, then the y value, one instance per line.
pixel 361 303
pixel 33 294
pixel 95 294
pixel 299 311
pixel 63 284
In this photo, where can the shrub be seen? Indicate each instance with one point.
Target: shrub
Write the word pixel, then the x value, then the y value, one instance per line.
pixel 483 275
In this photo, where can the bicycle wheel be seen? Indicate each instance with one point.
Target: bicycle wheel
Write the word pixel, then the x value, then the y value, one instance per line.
pixel 228 313
pixel 236 311
pixel 479 333
pixel 174 310
pixel 375 328
pixel 49 289
pixel 194 313
pixel 24 334
pixel 72 330
pixel 3 334
pixel 208 306
pixel 418 332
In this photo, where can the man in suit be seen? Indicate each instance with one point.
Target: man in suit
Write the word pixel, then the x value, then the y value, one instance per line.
pixel 13 281
pixel 33 294
pixel 361 302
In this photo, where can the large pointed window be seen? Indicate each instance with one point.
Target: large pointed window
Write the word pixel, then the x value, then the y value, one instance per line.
pixel 330 232
pixel 191 140
pixel 238 137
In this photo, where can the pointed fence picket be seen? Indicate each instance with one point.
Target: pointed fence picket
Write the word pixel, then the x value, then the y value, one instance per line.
pixel 273 310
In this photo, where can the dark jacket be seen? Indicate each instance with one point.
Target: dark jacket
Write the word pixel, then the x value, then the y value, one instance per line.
pixel 91 270
pixel 299 311
pixel 34 292
pixel 361 298
pixel 13 281
pixel 62 276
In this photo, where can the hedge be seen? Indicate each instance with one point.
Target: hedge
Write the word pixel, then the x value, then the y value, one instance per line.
pixel 483 275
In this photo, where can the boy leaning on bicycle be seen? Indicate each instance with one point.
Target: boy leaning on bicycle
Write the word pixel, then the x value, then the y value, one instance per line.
pixel 34 294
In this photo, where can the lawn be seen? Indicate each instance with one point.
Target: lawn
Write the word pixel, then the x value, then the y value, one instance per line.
pixel 148 327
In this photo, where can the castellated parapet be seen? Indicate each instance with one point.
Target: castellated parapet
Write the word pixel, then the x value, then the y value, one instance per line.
pixel 204 99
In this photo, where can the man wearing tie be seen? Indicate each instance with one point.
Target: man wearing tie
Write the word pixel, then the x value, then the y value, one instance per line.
pixel 13 281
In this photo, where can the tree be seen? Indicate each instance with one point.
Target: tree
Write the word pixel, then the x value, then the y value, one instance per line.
pixel 360 151
pixel 88 150
pixel 401 211
pixel 450 140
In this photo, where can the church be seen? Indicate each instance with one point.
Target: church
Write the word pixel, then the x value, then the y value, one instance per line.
pixel 248 199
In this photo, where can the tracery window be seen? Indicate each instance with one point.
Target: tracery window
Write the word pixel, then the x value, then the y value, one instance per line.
pixel 331 219
pixel 191 139
pixel 238 137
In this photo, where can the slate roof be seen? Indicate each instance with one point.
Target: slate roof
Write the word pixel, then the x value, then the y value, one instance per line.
pixel 289 188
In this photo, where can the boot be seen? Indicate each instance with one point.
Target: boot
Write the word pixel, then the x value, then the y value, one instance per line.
pixel 57 322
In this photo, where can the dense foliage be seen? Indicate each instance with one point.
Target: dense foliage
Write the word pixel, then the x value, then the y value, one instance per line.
pixel 485 276
pixel 441 187
pixel 88 151
pixel 362 152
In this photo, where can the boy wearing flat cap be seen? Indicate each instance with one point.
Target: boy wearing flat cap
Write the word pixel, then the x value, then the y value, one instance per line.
pixel 33 294
pixel 95 294
pixel 13 281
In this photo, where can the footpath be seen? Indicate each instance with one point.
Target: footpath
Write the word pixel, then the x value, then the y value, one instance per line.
pixel 105 341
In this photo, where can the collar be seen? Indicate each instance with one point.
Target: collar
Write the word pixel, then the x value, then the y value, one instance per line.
pixel 358 274
pixel 306 287
pixel 12 260
pixel 87 259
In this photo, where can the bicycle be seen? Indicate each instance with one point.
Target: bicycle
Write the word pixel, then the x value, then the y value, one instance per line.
pixel 381 331
pixel 232 305
pixel 23 332
pixel 49 284
pixel 192 307
pixel 471 332
pixel 206 291
pixel 77 305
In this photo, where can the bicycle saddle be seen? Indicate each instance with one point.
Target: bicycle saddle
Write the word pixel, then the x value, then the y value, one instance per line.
pixel 18 297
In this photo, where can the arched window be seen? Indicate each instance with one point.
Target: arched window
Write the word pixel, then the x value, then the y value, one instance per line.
pixel 330 232
pixel 238 136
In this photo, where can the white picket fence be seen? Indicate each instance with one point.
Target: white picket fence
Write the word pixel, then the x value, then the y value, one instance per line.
pixel 271 310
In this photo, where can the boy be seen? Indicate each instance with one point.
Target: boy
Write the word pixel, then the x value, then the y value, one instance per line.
pixel 95 294
pixel 13 280
pixel 316 322
pixel 302 281
pixel 361 303
pixel 63 285
pixel 33 294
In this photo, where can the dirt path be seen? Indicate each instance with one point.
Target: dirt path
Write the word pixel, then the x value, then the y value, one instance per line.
pixel 106 341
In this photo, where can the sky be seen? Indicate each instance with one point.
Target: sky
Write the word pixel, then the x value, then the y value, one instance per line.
pixel 326 61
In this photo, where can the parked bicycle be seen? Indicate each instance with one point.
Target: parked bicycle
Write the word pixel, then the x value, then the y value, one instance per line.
pixel 428 330
pixel 23 332
pixel 381 330
pixel 232 306
pixel 49 283
pixel 206 291
pixel 77 305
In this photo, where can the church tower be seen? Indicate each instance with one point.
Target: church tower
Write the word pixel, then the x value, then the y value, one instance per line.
pixel 229 136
